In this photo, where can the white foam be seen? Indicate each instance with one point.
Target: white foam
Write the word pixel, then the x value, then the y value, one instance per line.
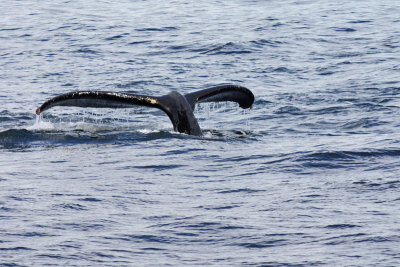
pixel 41 125
pixel 148 131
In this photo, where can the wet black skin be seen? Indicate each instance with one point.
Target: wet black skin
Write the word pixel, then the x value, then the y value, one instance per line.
pixel 178 107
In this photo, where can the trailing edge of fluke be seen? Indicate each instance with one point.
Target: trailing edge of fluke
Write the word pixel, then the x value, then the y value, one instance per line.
pixel 179 108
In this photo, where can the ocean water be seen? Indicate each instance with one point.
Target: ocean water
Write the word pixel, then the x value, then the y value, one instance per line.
pixel 309 177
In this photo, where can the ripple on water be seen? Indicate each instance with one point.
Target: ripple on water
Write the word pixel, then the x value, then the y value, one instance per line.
pixel 308 177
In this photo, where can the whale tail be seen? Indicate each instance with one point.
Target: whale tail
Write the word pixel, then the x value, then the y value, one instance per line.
pixel 99 99
pixel 241 95
pixel 179 108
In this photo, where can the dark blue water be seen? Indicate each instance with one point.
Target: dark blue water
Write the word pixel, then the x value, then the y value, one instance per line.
pixel 309 177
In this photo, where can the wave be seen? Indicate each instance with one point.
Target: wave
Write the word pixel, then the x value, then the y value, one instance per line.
pixel 46 133
pixel 339 29
pixel 321 161
pixel 154 29
pixel 332 155
pixel 17 139
pixel 228 49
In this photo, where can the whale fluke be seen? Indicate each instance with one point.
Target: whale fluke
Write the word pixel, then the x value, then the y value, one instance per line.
pixel 241 95
pixel 179 108
pixel 98 99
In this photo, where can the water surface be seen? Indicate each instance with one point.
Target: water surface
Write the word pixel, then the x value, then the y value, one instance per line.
pixel 308 177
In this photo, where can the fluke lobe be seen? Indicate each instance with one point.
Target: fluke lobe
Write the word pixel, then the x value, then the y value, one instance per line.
pixel 179 108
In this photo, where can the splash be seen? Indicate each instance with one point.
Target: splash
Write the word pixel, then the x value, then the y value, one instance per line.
pixel 41 125
pixel 218 116
pixel 95 121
